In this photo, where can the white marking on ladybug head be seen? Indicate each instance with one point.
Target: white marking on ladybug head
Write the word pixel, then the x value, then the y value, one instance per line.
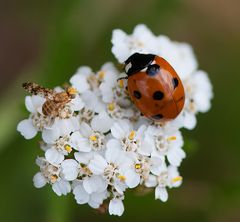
pixel 128 66
pixel 144 70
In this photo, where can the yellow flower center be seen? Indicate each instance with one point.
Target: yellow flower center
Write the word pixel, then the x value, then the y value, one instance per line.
pixel 171 138
pixel 111 106
pixel 120 83
pixel 93 138
pixel 176 179
pixel 68 148
pixel 86 170
pixel 138 166
pixel 72 91
pixel 101 74
pixel 53 178
pixel 131 135
pixel 122 178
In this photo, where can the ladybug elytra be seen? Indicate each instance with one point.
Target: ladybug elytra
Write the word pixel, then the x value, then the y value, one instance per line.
pixel 154 86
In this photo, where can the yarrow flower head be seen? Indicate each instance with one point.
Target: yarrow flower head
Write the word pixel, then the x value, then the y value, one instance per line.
pixel 96 143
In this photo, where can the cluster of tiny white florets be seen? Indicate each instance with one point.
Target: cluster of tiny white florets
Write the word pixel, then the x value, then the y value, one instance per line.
pixel 104 146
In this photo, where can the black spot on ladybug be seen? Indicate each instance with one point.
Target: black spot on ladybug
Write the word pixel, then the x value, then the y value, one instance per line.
pixel 137 94
pixel 158 116
pixel 138 62
pixel 158 95
pixel 152 70
pixel 175 82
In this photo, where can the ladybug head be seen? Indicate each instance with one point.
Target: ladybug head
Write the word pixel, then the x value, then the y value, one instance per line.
pixel 136 62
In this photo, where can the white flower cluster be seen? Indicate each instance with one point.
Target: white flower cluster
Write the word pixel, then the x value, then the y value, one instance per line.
pixel 100 145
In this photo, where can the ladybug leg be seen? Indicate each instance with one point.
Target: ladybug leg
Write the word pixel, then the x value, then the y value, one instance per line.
pixel 125 77
pixel 122 76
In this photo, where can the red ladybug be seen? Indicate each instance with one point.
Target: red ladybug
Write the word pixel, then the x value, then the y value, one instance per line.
pixel 154 86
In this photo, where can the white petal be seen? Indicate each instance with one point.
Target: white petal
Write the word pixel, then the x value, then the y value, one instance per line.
pixel 26 128
pixel 106 90
pixel 94 184
pixel 102 122
pixel 120 129
pixel 157 163
pixel 97 164
pixel 113 153
pixel 140 132
pixel 119 49
pixel 58 89
pixel 77 104
pixel 29 105
pixel 39 180
pixel 79 143
pixel 125 160
pixel 53 156
pixel 66 126
pixel 70 169
pixel 178 122
pixel 32 103
pixel 203 93
pixel 142 32
pixel 93 102
pixel 179 55
pixel 61 187
pixel 85 129
pixel 110 72
pixel 83 157
pixel 155 160
pixel 175 156
pixel 74 123
pixel 151 181
pixel 119 186
pixel 50 135
pixel 172 174
pixel 80 195
pixel 83 145
pixel 161 193
pixel 190 121
pixel 141 121
pixel 132 178
pixel 151 130
pixel 146 148
pixel 80 81
pixel 142 40
pixel 116 207
pixel 40 161
pixel 76 183
pixel 115 144
pixel 96 199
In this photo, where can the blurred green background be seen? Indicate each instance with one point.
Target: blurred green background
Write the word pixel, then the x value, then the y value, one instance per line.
pixel 45 41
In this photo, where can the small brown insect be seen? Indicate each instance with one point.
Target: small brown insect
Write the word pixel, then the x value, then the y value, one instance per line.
pixel 55 101
pixel 102 208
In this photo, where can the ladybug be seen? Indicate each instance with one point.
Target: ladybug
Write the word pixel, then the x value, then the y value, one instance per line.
pixel 154 86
